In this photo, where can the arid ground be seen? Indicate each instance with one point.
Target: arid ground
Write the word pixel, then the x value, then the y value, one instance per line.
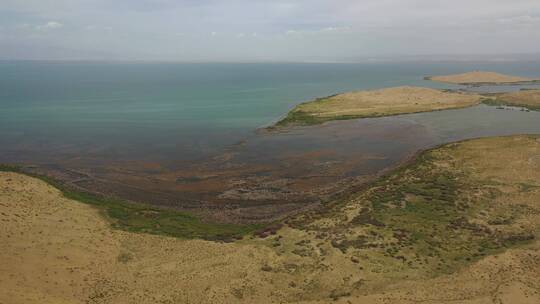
pixel 376 103
pixel 525 98
pixel 407 99
pixel 481 78
pixel 459 225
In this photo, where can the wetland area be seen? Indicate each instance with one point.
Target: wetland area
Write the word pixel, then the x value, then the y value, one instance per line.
pixel 215 158
pixel 357 199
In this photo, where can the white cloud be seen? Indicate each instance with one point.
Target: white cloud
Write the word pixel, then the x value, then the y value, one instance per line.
pixel 51 25
pixel 336 29
pixel 326 30
pixel 97 27
pixel 286 29
pixel 519 20
pixel 23 26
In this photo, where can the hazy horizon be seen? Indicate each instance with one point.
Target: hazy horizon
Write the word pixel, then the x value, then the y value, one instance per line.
pixel 263 31
pixel 429 58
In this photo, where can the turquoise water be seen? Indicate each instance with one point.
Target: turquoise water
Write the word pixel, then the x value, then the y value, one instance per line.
pixel 183 135
pixel 169 110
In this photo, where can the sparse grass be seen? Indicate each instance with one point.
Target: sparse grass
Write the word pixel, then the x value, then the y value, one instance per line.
pixel 451 207
pixel 503 102
pixel 434 215
pixel 298 117
pixel 301 118
pixel 124 257
pixel 142 218
pixel 375 103
pixel 529 99
pixel 481 78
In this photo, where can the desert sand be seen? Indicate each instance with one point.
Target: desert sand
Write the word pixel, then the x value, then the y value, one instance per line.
pixel 376 103
pixel 480 77
pixel 55 250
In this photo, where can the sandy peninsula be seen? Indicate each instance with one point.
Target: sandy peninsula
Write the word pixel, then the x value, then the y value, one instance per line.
pixel 525 98
pixel 377 103
pixel 477 78
pixel 461 224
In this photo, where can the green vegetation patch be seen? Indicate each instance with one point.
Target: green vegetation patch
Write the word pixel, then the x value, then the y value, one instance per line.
pixel 301 118
pixel 298 117
pixel 142 218
pixel 502 102
pixel 424 216
pixel 429 214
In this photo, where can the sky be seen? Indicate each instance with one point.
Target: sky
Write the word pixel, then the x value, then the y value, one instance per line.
pixel 259 30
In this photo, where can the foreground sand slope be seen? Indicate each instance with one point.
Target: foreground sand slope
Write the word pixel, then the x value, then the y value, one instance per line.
pixel 53 250
pixel 480 77
pixel 375 103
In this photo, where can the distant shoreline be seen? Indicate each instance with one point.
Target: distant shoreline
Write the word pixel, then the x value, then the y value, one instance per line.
pixel 376 103
pixel 481 84
pixel 482 78
pixel 409 100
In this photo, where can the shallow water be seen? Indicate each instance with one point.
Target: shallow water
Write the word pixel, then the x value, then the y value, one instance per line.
pixel 270 175
pixel 184 135
pixel 389 139
pixel 175 111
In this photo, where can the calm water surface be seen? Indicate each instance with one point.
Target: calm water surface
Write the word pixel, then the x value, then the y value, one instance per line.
pixel 174 111
pixel 183 135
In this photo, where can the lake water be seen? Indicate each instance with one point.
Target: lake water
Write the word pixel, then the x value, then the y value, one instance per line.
pixel 168 110
pixel 184 135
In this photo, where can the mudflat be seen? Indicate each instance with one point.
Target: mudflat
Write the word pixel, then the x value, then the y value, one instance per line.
pixel 376 103
pixel 482 78
pixel 461 224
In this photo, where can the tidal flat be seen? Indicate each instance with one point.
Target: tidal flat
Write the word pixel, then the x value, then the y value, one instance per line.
pixel 272 175
pixel 170 147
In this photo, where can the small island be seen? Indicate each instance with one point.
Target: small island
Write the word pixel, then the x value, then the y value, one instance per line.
pixel 480 78
pixel 376 103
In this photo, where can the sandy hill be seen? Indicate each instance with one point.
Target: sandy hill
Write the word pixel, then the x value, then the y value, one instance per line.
pixel 480 77
pixel 377 103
